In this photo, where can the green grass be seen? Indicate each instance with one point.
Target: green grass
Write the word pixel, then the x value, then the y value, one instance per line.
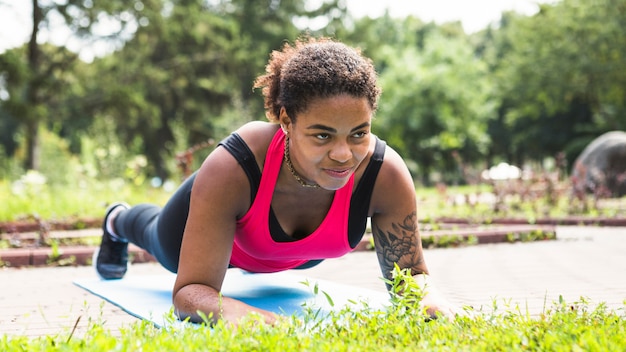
pixel 451 203
pixel 401 327
pixel 90 198
pixel 564 326
pixel 31 197
pixel 83 201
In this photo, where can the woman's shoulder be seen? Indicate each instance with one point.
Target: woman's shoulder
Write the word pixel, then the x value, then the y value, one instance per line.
pixel 258 136
pixel 394 180
pixel 394 168
pixel 255 130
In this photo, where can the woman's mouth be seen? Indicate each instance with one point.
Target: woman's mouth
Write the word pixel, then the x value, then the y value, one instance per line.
pixel 338 173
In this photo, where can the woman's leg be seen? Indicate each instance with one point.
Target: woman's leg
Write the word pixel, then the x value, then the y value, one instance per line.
pixel 158 231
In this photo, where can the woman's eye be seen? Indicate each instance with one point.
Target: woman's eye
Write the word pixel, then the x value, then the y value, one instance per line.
pixel 323 136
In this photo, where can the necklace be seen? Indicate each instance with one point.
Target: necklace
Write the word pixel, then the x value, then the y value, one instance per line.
pixel 295 175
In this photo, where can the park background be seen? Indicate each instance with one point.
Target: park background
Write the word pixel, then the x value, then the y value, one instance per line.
pixel 136 93
pixel 170 78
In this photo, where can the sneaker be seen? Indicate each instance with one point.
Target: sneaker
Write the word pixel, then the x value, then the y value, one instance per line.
pixel 111 260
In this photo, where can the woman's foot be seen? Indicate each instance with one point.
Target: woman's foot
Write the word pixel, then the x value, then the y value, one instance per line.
pixel 111 259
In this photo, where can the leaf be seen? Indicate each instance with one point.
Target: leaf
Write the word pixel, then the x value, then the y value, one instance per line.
pixel 329 299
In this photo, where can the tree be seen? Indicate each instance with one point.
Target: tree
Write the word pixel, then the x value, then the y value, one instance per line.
pixel 435 104
pixel 190 67
pixel 265 26
pixel 564 79
pixel 33 95
pixel 42 66
pixel 177 68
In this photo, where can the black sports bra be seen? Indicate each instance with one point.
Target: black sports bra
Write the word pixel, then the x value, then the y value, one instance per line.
pixel 359 203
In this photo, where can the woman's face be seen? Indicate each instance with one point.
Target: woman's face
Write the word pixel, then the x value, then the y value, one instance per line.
pixel 330 139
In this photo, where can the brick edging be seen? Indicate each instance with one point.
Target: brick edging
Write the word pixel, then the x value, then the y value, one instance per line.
pixel 67 256
pixel 82 255
pixel 569 221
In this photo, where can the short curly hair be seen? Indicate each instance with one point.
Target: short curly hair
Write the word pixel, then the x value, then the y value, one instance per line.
pixel 315 68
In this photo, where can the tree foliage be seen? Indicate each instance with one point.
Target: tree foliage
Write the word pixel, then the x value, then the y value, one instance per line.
pixel 562 75
pixel 436 104
pixel 37 74
pixel 182 71
pixel 188 66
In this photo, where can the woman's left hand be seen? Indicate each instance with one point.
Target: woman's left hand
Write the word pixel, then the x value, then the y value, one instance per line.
pixel 435 304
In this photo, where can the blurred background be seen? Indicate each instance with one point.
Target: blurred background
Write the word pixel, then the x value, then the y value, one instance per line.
pixel 97 96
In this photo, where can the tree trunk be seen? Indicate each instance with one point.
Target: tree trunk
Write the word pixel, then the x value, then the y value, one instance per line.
pixel 33 120
pixel 33 160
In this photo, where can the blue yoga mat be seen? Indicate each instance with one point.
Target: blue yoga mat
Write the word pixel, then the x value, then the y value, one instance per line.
pixel 150 297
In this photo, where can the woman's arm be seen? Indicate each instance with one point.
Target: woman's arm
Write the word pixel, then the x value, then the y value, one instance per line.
pixel 220 195
pixel 395 230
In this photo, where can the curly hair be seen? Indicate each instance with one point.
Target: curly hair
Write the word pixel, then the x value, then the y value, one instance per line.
pixel 315 68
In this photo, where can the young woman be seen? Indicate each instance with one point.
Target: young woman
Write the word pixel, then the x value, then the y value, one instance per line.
pixel 282 194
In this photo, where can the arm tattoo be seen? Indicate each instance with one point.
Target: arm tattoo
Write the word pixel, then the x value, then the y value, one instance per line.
pixel 400 245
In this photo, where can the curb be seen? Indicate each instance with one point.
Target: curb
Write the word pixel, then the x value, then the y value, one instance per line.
pixel 64 256
pixel 82 255
pixel 569 221
pixel 494 234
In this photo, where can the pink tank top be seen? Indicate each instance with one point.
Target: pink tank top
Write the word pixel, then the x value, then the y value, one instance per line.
pixel 254 249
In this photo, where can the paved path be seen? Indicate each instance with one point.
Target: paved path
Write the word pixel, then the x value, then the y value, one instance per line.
pixel 584 261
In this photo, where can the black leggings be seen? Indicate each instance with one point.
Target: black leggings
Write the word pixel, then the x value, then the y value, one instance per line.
pixel 158 231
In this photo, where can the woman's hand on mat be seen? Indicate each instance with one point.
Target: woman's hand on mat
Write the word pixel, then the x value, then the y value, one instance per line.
pixel 201 303
pixel 235 312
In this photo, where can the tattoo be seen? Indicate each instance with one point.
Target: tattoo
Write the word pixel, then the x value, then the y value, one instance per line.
pixel 399 246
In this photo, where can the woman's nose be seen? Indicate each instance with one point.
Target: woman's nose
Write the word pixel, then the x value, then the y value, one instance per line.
pixel 340 152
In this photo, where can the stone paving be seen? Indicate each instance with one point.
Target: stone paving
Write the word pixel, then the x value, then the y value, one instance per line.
pixel 584 262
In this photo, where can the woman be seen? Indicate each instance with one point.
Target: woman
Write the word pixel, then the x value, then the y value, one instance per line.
pixel 282 194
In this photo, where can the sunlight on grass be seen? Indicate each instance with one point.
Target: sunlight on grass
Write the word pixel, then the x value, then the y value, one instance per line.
pixel 404 326
pixel 482 203
pixel 86 201
pixel 474 203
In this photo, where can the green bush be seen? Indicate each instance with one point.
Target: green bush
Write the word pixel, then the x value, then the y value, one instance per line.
pixel 58 165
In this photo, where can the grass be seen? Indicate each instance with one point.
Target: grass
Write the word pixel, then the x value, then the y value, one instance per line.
pixel 84 201
pixel 483 203
pixel 559 330
pixel 403 326
pixel 89 199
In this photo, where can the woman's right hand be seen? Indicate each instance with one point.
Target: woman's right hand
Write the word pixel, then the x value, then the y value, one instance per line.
pixel 195 298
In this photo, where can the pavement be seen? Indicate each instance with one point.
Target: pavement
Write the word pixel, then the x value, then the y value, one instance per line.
pixel 584 261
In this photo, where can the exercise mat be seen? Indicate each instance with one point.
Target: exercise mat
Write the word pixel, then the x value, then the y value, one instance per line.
pixel 149 297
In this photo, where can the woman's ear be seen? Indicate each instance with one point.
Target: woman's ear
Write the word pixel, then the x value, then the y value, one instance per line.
pixel 285 121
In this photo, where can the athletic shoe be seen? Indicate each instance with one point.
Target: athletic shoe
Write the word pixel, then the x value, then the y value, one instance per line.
pixel 111 260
